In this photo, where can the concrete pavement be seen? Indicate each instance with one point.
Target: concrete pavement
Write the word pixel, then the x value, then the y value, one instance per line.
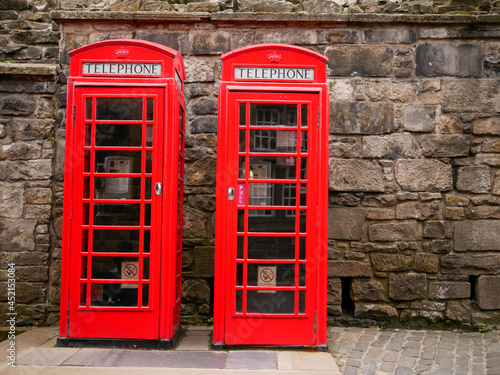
pixel 353 351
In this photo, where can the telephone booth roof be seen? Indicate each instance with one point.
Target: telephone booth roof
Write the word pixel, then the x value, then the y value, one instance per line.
pixel 273 55
pixel 127 51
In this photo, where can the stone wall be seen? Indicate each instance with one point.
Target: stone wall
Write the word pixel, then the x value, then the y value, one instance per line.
pixel 414 216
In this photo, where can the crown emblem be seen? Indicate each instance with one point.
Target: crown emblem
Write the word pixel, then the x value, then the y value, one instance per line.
pixel 274 57
pixel 122 52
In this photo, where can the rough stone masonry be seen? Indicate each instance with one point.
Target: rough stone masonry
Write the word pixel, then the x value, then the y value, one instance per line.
pixel 414 215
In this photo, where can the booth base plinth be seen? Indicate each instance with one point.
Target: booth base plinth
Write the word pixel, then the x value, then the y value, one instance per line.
pixel 318 348
pixel 160 344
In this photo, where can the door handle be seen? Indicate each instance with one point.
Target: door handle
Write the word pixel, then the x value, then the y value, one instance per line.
pixel 230 194
pixel 158 188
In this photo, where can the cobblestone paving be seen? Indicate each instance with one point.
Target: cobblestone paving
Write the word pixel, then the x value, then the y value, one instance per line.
pixel 373 351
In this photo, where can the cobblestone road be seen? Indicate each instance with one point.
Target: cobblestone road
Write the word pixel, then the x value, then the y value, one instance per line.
pixel 374 351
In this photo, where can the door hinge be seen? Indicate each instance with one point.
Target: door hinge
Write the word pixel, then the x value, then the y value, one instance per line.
pixel 74 113
pixel 315 321
pixel 68 320
pixel 318 116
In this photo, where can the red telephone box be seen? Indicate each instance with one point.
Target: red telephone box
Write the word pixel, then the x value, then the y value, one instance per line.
pixel 272 198
pixel 123 194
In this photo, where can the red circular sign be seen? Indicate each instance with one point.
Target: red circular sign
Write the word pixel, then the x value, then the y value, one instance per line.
pixel 267 275
pixel 130 270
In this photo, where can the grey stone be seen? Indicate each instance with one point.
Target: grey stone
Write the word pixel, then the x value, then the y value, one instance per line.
pixel 407 287
pixel 364 289
pixel 336 36
pixel 488 126
pixel 417 210
pixel 204 261
pixel 11 199
pixel 202 172
pixel 419 118
pixel 251 360
pixel 383 90
pixel 355 175
pixel 30 170
pixel 264 6
pixel 18 5
pixel 390 35
pixel 156 6
pixel 386 232
pixel 374 311
pixel 204 124
pixel 449 290
pixel 203 43
pixel 475 179
pixel 423 175
pixel 462 60
pixel 346 223
pixel 394 146
pixel 471 95
pixel 17 234
pixel 478 235
pixel 487 288
pixel 459 311
pixel 18 105
pixel 437 229
pixel 203 106
pixel 482 212
pixel 198 70
pixel 203 7
pixel 173 40
pixel 361 118
pixel 194 225
pixel 470 264
pixel 196 291
pixel 445 146
pixel 348 268
pixel 321 7
pixel 428 263
pixel 391 262
pixel 365 61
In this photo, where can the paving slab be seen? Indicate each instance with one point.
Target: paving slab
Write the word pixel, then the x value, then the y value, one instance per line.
pixel 194 343
pixel 46 356
pixel 251 360
pixel 143 358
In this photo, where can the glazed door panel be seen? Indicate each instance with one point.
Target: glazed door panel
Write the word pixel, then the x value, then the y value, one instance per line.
pixel 272 143
pixel 116 213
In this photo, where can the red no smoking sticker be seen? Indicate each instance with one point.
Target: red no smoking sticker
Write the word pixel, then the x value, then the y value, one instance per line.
pixel 267 276
pixel 130 271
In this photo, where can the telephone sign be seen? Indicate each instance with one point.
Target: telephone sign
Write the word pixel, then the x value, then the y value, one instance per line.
pixel 271 257
pixel 124 170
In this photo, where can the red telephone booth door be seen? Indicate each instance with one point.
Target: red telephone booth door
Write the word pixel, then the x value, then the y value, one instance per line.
pixel 271 218
pixel 116 213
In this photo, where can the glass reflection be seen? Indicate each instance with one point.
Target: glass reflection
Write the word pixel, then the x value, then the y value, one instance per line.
pixel 119 108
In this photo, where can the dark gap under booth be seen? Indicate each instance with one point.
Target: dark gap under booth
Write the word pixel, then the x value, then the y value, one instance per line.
pixel 123 196
pixel 272 198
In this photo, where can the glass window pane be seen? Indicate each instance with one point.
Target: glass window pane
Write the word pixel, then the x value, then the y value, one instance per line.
pixel 119 108
pixel 86 161
pixel 145 268
pixel 88 134
pixel 270 275
pixel 147 241
pixel 113 295
pixel 86 187
pixel 88 108
pixel 271 302
pixel 147 214
pixel 273 141
pixel 116 241
pixel 117 188
pixel 118 161
pixel 273 115
pixel 240 247
pixel 270 221
pixel 83 294
pixel 149 135
pixel 150 108
pixel 302 248
pixel 239 301
pixel 273 167
pixel 243 112
pixel 241 220
pixel 242 140
pixel 303 141
pixel 83 272
pixel 117 214
pixel 118 135
pixel 302 301
pixel 302 275
pixel 85 214
pixel 149 162
pixel 115 268
pixel 145 295
pixel 304 114
pixel 239 274
pixel 271 247
pixel 85 240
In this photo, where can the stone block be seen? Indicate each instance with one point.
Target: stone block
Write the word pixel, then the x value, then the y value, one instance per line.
pixel 203 106
pixel 342 90
pixel 355 175
pixel 455 200
pixel 461 60
pixel 321 7
pixel 194 224
pixel 424 175
pixel 286 35
pixel 482 212
pixel 445 146
pixel 496 184
pixel 345 147
pixel 438 246
pixel 397 36
pixel 364 289
pixel 437 229
pixel 374 311
pixel 478 235
pixel 407 286
pixel 475 179
pixel 471 95
pixel 264 6
pixel 419 118
pixel 449 290
pixel 388 232
pixel 391 262
pixel 17 105
pixel 389 90
pixel 365 61
pixel 11 199
pixel 204 124
pixel 361 118
pixel 394 146
pixel 470 264
pixel 338 36
pixel 195 291
pixel 428 263
pixel 487 294
pixel 202 172
pixel 346 223
pixel 38 195
pixel 348 268
pixel 204 261
pixel 380 214
pixel 460 311
pixel 418 210
pixel 486 126
pixel 214 43
pixel 203 7
pixel 198 70
pixel 334 291
pixel 173 40
pixel 17 234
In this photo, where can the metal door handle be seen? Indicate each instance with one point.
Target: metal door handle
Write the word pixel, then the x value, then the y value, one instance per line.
pixel 230 194
pixel 158 188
